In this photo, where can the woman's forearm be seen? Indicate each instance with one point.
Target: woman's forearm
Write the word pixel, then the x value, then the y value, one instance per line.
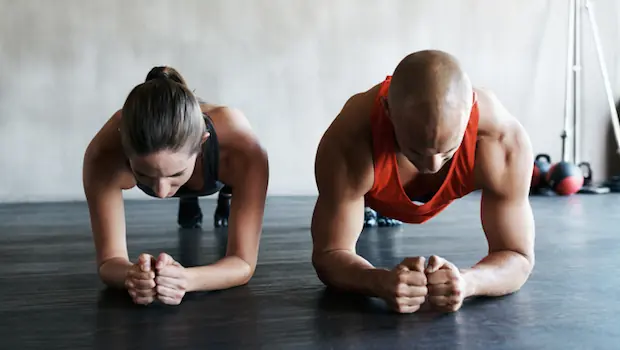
pixel 113 272
pixel 228 272
pixel 231 271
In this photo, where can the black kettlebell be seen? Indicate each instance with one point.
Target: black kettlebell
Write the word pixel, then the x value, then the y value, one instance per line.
pixel 542 164
pixel 587 173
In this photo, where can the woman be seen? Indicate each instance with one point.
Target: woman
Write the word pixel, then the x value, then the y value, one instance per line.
pixel 164 141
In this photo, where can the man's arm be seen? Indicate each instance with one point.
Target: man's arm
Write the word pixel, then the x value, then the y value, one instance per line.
pixel 507 218
pixel 338 218
pixel 249 181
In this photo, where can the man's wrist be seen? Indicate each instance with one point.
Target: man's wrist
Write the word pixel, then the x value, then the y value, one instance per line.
pixel 373 281
pixel 470 280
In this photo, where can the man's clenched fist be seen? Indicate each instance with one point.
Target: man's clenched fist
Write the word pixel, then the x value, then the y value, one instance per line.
pixel 404 287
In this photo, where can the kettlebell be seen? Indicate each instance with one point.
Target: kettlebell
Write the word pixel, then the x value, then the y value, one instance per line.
pixel 587 173
pixel 542 164
pixel 565 178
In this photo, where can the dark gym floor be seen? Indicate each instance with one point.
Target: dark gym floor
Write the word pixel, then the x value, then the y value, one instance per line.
pixel 51 298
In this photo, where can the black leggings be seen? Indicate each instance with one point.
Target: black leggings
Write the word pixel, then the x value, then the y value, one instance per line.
pixel 226 190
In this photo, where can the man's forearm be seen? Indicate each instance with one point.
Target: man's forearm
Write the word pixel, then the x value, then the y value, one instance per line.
pixel 113 272
pixel 498 274
pixel 231 271
pixel 348 271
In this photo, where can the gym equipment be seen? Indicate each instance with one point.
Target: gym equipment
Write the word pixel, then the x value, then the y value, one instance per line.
pixel 542 163
pixel 539 185
pixel 588 187
pixel 573 90
pixel 614 183
pixel 565 178
pixel 535 178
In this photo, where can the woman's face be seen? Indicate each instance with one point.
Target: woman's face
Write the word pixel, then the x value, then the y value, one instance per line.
pixel 164 171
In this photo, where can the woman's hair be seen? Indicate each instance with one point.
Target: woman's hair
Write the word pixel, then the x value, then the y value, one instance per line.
pixel 161 114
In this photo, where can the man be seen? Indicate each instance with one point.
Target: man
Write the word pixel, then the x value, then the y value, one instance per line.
pixel 407 148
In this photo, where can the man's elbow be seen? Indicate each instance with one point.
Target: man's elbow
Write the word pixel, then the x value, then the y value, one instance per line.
pixel 530 262
pixel 525 268
pixel 320 265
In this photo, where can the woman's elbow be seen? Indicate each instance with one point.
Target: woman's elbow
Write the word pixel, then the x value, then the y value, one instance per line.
pixel 247 271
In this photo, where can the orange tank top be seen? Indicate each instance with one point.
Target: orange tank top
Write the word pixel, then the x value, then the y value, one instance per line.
pixel 387 195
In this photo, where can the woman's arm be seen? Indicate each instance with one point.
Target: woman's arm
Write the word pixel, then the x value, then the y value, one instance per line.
pixel 102 181
pixel 249 176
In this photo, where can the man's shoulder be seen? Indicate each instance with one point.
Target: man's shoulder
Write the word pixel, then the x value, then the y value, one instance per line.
pixel 504 156
pixel 350 130
pixel 497 125
pixel 489 104
pixel 346 146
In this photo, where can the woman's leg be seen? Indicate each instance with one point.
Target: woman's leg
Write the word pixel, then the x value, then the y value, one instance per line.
pixel 220 217
pixel 190 214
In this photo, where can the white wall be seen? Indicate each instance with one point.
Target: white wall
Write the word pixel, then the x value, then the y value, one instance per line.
pixel 66 65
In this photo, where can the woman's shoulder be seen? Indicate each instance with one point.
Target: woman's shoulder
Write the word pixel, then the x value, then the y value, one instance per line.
pixel 212 109
pixel 104 153
pixel 107 138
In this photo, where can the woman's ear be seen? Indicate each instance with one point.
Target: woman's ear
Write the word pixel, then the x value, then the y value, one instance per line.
pixel 205 136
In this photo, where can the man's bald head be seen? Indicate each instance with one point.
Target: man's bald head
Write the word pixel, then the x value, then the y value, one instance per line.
pixel 429 101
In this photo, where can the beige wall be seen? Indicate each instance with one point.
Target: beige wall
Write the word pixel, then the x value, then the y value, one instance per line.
pixel 66 65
